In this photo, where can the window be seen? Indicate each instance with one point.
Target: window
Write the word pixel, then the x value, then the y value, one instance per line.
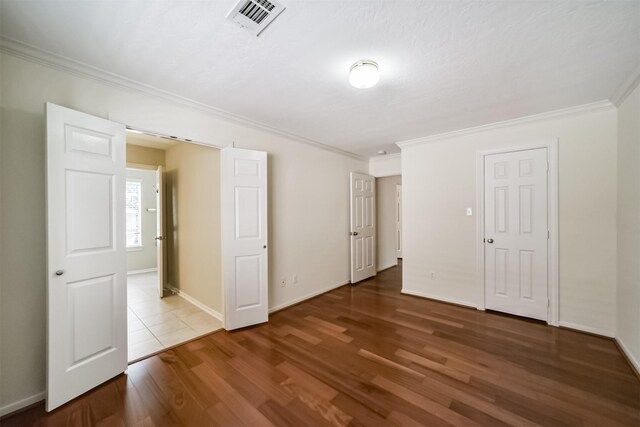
pixel 134 213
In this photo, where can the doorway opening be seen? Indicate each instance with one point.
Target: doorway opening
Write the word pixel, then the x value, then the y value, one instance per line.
pixel 174 282
pixel 388 221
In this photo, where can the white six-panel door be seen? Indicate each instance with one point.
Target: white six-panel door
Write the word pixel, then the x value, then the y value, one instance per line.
pixel 516 232
pixel 86 255
pixel 161 234
pixel 363 226
pixel 399 221
pixel 244 237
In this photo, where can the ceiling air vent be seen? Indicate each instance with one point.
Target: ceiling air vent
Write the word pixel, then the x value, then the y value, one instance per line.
pixel 255 15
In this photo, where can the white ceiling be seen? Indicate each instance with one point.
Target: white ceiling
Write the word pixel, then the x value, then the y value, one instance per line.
pixel 445 65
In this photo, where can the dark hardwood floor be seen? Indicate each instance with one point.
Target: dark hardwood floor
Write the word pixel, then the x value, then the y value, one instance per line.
pixel 368 355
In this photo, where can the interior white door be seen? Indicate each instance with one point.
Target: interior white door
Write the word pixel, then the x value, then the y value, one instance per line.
pixel 244 237
pixel 516 233
pixel 86 254
pixel 399 221
pixel 161 236
pixel 363 226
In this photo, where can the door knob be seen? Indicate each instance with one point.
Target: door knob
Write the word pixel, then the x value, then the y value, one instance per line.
pixel 354 233
pixel 489 240
pixel 59 272
pixel 160 238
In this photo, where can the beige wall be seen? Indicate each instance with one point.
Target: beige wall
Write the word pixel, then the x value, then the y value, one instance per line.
pixel 307 185
pixel 629 226
pixel 144 155
pixel 439 183
pixel 386 221
pixel 193 222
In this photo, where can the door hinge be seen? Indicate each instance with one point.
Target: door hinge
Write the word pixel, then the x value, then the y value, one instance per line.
pixel 548 234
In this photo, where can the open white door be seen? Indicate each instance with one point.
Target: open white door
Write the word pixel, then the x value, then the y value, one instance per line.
pixel 399 221
pixel 161 236
pixel 86 254
pixel 363 226
pixel 244 237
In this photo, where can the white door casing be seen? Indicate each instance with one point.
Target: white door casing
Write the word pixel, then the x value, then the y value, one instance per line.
pixel 399 221
pixel 363 226
pixel 516 232
pixel 161 234
pixel 244 237
pixel 86 253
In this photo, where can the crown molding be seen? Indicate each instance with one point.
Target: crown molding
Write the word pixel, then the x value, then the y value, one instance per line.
pixel 627 86
pixel 384 158
pixel 71 66
pixel 564 112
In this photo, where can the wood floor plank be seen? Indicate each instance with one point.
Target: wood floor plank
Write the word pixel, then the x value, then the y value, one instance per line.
pixel 368 355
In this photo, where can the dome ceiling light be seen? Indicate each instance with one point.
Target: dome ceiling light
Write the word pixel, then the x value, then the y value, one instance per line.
pixel 364 74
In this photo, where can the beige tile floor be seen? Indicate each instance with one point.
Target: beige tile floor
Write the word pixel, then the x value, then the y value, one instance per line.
pixel 155 323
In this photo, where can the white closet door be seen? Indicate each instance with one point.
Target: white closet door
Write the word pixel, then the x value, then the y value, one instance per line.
pixel 244 237
pixel 516 233
pixel 86 255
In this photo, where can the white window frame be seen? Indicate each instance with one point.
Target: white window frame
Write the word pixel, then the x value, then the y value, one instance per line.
pixel 140 246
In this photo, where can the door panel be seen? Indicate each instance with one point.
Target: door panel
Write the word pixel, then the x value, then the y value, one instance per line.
pixel 516 233
pixel 399 221
pixel 244 237
pixel 161 233
pixel 86 256
pixel 363 227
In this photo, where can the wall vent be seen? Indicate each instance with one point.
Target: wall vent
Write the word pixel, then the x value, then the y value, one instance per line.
pixel 255 15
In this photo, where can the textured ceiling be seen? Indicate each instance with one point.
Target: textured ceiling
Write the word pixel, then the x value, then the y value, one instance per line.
pixel 445 65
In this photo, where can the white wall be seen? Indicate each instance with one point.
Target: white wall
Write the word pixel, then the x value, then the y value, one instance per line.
pixel 386 254
pixel 629 226
pixel 389 165
pixel 146 257
pixel 439 183
pixel 308 214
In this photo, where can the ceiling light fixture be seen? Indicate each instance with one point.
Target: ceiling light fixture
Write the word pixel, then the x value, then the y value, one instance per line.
pixel 364 74
pixel 382 152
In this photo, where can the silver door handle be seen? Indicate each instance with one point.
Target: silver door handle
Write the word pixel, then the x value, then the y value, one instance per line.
pixel 59 272
pixel 160 238
pixel 354 233
pixel 489 240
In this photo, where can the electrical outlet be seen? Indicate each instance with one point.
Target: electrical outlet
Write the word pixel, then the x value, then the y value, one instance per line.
pixel 283 282
pixel 294 279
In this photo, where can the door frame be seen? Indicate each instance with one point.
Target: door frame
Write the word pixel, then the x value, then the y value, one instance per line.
pixel 133 165
pixel 552 217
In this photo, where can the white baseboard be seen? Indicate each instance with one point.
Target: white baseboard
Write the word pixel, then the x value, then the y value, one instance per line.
pixel 197 303
pixel 634 362
pixel 306 297
pixel 23 403
pixel 438 298
pixel 146 270
pixel 589 329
